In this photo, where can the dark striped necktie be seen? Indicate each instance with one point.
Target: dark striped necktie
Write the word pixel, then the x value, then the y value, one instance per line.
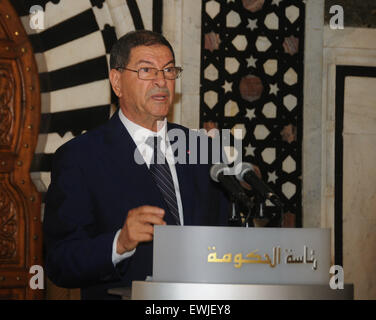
pixel 161 173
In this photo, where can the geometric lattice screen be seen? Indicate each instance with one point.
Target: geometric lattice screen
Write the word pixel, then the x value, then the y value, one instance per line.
pixel 252 79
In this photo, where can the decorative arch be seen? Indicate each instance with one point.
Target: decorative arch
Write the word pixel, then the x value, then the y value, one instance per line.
pixel 72 54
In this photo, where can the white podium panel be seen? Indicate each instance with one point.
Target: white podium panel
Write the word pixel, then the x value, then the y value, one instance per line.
pixel 196 254
pixel 150 290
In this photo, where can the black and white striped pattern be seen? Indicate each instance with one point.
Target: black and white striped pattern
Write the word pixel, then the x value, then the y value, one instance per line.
pixel 72 55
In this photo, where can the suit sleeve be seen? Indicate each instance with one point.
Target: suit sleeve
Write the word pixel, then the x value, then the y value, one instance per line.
pixel 76 255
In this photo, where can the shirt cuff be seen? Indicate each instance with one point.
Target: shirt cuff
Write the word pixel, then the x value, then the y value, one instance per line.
pixel 116 258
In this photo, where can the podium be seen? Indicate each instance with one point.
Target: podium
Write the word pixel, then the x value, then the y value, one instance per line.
pixel 232 263
pixel 150 290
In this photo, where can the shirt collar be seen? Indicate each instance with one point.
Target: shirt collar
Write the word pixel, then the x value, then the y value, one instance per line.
pixel 138 133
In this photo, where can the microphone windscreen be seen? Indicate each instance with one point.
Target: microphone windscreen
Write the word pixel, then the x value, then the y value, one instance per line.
pixel 216 169
pixel 244 167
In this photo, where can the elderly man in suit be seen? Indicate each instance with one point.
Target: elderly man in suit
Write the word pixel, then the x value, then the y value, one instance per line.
pixel 103 201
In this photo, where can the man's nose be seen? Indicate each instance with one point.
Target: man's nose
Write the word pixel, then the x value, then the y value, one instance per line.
pixel 160 79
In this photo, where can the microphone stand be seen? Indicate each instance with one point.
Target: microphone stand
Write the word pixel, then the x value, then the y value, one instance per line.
pixel 281 217
pixel 235 217
pixel 258 209
pixel 249 215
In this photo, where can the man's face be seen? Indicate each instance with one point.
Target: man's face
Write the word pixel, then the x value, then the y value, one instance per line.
pixel 145 101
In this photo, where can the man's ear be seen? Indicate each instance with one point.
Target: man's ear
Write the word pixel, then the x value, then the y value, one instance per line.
pixel 115 81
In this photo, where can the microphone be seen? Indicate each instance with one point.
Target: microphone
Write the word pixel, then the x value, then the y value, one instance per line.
pixel 217 173
pixel 248 175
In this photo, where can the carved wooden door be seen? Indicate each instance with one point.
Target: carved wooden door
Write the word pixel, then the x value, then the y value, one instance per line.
pixel 20 223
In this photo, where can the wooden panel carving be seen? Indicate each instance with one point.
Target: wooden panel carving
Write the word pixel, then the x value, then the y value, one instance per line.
pixel 20 223
pixel 8 225
pixel 12 226
pixel 8 294
pixel 6 110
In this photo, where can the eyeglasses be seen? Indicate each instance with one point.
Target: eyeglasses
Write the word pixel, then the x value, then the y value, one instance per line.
pixel 146 73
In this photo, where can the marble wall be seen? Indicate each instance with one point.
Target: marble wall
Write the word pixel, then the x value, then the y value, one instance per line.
pixel 351 47
pixel 313 156
pixel 359 185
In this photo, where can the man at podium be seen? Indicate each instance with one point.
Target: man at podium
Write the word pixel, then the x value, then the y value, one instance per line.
pixel 110 186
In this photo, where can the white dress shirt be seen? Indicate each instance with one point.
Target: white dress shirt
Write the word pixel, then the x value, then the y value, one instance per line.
pixel 139 135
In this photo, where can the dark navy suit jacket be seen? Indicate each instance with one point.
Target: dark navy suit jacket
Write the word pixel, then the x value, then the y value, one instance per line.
pixel 95 181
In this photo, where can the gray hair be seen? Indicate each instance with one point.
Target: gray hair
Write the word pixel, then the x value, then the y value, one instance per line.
pixel 121 50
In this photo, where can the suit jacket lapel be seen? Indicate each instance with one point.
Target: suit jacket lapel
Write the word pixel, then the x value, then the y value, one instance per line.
pixel 135 178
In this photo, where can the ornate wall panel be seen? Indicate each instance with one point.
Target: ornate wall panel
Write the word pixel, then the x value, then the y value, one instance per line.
pixel 20 225
pixel 252 79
